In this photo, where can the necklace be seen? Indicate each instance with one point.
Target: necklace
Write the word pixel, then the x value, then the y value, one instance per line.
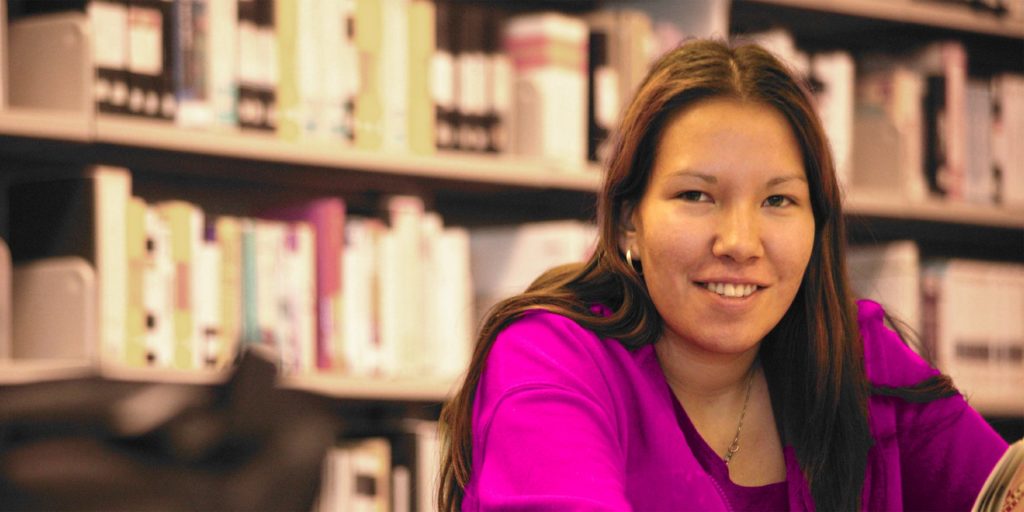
pixel 735 446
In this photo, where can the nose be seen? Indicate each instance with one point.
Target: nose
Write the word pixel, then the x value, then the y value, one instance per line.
pixel 738 235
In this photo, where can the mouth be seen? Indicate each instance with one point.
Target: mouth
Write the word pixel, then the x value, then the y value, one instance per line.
pixel 731 290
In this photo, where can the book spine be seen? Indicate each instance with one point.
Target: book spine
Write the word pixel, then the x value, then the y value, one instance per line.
pixel 222 62
pixel 421 118
pixel 109 19
pixel 135 322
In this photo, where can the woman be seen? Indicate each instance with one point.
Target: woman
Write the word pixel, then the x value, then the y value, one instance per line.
pixel 709 354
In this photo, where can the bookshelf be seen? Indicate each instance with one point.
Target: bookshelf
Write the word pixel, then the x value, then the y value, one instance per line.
pixel 466 185
pixel 939 15
pixel 240 169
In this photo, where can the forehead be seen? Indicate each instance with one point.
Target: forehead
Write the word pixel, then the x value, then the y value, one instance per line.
pixel 727 135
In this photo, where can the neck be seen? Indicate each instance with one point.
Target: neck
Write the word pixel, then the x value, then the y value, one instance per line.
pixel 699 377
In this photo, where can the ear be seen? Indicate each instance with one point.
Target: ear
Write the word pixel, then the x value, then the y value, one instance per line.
pixel 627 227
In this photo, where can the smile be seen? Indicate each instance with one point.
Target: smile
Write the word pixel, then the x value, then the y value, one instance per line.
pixel 731 290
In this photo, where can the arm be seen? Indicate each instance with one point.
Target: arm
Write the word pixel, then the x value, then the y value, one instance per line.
pixel 946 449
pixel 545 434
pixel 548 448
pixel 946 452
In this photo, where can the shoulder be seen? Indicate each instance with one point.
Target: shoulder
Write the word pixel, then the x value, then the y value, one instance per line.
pixel 888 360
pixel 547 348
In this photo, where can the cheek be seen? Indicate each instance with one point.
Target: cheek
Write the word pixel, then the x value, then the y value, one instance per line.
pixel 794 251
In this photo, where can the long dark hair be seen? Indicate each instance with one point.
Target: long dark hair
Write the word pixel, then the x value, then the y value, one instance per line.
pixel 813 358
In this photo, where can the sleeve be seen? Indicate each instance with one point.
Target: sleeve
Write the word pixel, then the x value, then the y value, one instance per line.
pixel 946 452
pixel 544 427
pixel 946 449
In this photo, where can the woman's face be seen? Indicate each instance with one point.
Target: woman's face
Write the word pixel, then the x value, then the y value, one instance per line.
pixel 725 228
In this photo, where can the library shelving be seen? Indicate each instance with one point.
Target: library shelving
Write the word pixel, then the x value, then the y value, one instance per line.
pixel 481 189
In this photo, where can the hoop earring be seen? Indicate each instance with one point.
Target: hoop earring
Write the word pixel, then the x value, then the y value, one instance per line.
pixel 629 260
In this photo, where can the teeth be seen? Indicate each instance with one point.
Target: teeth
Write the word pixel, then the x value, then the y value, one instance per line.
pixel 732 290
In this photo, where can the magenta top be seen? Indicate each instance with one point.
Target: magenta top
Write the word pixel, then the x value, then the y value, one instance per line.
pixel 565 420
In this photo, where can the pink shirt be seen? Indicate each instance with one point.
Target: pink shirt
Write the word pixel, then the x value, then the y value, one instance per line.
pixel 564 420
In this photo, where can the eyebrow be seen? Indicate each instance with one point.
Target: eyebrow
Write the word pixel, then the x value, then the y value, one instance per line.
pixel 778 180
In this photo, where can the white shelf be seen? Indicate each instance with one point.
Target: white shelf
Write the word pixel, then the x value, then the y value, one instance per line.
pixel 916 12
pixel 46 124
pixel 510 170
pixel 933 211
pixel 414 390
pixel 16 372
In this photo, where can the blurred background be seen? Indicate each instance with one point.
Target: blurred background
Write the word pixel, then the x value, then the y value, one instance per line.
pixel 246 243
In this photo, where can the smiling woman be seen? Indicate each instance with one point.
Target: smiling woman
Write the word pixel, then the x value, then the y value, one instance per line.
pixel 709 355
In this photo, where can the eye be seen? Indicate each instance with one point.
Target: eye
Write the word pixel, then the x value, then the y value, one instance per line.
pixel 694 196
pixel 778 201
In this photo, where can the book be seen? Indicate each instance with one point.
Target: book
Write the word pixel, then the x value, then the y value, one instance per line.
pixel 888 121
pixel 150 59
pixel 360 307
pixel 299 84
pixel 442 76
pixel 190 50
pixel 1007 131
pixel 1004 488
pixel 222 63
pixel 549 54
pixel 327 218
pixel 471 73
pixel 421 40
pixel 945 117
pixel 257 65
pixel 603 101
pixel 401 298
pixel 890 274
pixel 185 222
pixel 159 288
pixel 504 260
pixel 109 19
pixel 979 171
pixel 229 235
pixel 835 101
pixel 339 70
pixel 971 318
pixel 135 316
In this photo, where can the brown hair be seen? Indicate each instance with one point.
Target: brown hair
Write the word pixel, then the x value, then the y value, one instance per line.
pixel 813 358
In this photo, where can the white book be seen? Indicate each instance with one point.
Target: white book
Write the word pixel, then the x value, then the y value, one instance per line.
pixel 890 274
pixel 269 246
pixel 504 260
pixel 340 69
pixel 452 304
pixel 889 130
pixel 401 291
pixel 979 179
pixel 394 71
pixel 973 318
pixel 359 305
pixel 113 186
pixel 836 106
pixel 222 62
pixel 296 284
pixel 209 315
pixel 549 55
pixel 158 291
